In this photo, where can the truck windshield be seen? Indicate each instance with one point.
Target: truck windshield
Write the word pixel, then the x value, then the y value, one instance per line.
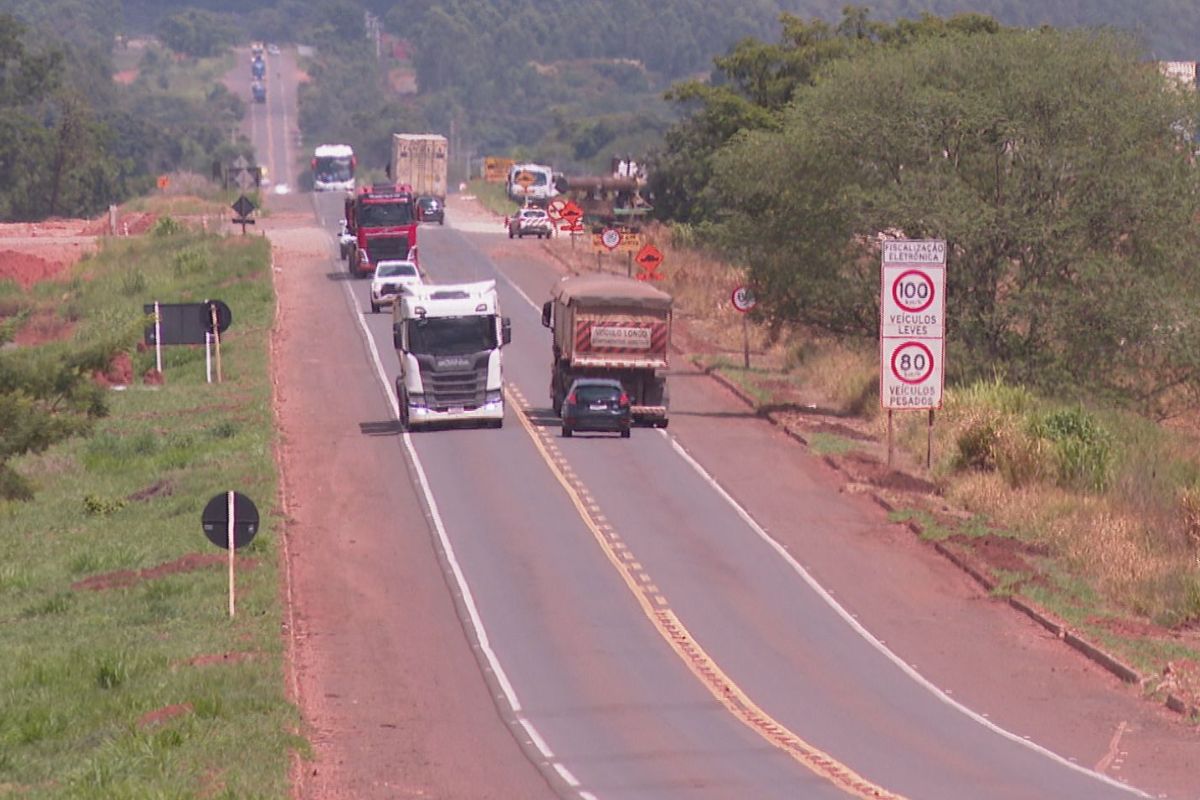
pixel 382 215
pixel 451 336
pixel 333 168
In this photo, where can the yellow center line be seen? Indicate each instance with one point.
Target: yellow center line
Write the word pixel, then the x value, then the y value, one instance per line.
pixel 657 609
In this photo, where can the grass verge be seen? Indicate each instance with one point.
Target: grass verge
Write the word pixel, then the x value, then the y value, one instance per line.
pixel 492 197
pixel 124 675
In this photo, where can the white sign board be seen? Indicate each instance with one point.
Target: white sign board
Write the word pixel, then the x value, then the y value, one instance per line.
pixel 912 329
pixel 912 373
pixel 621 337
pixel 913 302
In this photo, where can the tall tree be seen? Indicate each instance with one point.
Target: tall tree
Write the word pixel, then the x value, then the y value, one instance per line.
pixel 1056 165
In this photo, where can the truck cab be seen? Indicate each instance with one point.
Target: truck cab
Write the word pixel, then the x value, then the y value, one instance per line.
pixel 448 339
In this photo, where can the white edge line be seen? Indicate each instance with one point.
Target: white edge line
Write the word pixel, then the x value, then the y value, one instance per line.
pixel 460 579
pixel 854 624
pixel 883 649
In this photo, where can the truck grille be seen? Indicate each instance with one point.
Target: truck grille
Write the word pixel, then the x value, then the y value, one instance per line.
pixel 383 248
pixel 447 389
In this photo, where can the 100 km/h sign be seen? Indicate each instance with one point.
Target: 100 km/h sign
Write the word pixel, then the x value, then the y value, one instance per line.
pixel 913 301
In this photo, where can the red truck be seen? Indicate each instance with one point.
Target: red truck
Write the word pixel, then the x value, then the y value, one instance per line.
pixel 382 218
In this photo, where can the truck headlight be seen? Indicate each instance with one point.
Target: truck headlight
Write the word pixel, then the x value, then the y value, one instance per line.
pixel 416 401
pixel 493 396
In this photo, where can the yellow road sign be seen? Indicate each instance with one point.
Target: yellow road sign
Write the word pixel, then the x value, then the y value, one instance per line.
pixel 495 169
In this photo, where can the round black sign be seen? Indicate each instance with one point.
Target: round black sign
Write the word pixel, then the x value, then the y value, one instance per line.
pixel 215 520
pixel 224 316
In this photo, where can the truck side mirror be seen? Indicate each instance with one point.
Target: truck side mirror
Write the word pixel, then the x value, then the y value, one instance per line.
pixel 505 331
pixel 397 335
pixel 547 310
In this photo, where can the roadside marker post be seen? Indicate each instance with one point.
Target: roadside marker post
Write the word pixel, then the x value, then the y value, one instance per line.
pixel 230 521
pixel 157 338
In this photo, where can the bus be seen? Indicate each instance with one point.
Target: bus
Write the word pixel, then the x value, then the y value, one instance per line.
pixel 333 168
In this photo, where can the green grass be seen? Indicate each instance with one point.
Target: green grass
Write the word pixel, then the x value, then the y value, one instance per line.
pixel 828 444
pixel 492 197
pixel 82 666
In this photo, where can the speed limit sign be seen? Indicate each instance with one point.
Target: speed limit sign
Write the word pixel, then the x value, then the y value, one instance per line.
pixel 912 329
pixel 744 299
pixel 912 373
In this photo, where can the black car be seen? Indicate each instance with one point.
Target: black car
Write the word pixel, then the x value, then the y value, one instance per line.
pixel 430 209
pixel 597 404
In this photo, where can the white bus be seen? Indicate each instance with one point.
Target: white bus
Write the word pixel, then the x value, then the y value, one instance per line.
pixel 333 168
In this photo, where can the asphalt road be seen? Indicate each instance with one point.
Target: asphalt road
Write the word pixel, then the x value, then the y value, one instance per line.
pixel 642 636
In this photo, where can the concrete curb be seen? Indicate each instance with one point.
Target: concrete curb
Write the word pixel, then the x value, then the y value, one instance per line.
pixel 977 572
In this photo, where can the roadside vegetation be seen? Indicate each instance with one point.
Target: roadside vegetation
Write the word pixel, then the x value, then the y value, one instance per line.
pixel 124 676
pixel 78 140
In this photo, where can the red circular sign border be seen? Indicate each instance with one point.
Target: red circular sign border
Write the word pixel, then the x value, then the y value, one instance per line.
pixel 733 300
pixel 928 280
pixel 928 372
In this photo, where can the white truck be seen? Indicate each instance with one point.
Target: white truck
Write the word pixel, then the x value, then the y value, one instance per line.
pixel 448 339
pixel 530 184
pixel 419 160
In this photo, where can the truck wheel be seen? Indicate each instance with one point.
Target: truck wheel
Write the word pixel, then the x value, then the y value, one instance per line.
pixel 566 432
pixel 625 434
pixel 374 308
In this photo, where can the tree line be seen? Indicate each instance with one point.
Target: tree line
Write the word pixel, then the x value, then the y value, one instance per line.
pixel 1059 166
pixel 74 139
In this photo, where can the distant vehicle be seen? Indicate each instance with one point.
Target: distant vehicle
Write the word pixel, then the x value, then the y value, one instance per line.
pixel 448 339
pixel 258 90
pixel 597 404
pixel 420 160
pixel 258 68
pixel 530 184
pixel 273 49
pixel 392 278
pixel 429 209
pixel 610 326
pixel 256 49
pixel 333 168
pixel 529 222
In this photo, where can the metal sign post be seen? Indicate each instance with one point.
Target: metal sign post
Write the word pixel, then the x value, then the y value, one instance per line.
pixel 743 300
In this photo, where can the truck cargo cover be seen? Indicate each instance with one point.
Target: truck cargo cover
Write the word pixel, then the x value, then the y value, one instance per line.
pixel 599 290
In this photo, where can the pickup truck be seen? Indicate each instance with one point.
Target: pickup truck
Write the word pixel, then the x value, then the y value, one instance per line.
pixel 529 222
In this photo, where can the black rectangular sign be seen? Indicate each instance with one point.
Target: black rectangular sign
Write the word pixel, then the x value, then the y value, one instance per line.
pixel 181 323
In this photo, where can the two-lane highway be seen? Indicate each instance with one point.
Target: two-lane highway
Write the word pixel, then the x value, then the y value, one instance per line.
pixel 639 634
pixel 646 635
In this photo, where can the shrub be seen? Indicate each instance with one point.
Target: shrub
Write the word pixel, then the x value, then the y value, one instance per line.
pixel 167 226
pixel 1082 449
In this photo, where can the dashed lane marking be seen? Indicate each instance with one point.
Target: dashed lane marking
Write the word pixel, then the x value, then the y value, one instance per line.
pixel 657 609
